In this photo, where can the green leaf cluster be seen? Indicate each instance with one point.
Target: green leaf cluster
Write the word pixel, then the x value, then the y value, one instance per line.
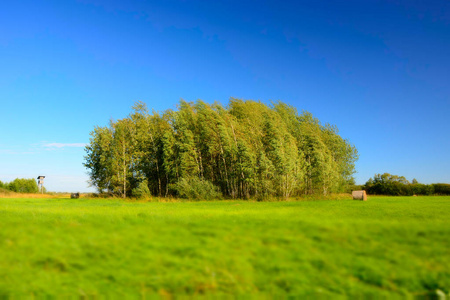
pixel 142 191
pixel 21 185
pixel 197 189
pixel 246 149
pixel 394 185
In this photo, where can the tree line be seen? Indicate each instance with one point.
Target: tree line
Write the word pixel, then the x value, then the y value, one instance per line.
pixel 21 185
pixel 394 185
pixel 246 149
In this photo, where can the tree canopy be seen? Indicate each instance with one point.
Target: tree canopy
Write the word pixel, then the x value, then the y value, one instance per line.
pixel 394 185
pixel 246 149
pixel 21 185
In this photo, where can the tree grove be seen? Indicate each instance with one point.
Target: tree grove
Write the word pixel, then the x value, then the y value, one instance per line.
pixel 246 149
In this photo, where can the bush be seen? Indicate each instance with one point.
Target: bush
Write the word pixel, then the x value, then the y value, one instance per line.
pixel 422 189
pixel 441 188
pixel 196 188
pixel 142 190
pixel 22 185
pixel 387 184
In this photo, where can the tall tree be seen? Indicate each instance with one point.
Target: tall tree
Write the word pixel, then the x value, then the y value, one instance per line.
pixel 246 149
pixel 122 149
pixel 98 158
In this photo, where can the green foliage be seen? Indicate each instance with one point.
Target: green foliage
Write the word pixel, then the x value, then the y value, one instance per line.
pixel 387 247
pixel 394 185
pixel 421 189
pixel 98 159
pixel 387 184
pixel 441 188
pixel 22 185
pixel 197 189
pixel 142 190
pixel 247 149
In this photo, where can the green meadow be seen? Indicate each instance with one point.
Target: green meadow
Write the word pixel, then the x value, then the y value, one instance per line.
pixel 387 246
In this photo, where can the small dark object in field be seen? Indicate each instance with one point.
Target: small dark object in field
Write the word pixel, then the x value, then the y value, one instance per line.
pixel 359 195
pixel 75 195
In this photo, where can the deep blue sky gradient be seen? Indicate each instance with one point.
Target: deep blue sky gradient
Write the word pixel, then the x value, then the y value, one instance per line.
pixel 378 70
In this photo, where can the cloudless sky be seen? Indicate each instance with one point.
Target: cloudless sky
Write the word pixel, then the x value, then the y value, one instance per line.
pixel 378 70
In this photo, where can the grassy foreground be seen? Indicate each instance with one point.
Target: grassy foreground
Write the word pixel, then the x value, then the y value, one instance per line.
pixel 386 246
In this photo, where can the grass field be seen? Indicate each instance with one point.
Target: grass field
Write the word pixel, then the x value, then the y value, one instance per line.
pixel 387 246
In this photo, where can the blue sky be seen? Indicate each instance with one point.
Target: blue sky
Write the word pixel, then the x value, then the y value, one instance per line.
pixel 378 70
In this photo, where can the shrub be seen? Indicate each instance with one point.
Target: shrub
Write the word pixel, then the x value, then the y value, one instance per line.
pixel 441 188
pixel 422 189
pixel 387 184
pixel 22 185
pixel 196 188
pixel 142 190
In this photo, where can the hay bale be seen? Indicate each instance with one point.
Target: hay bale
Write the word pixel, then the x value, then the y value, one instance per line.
pixel 359 195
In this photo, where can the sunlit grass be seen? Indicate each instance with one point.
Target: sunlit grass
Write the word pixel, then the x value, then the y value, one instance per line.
pixel 386 246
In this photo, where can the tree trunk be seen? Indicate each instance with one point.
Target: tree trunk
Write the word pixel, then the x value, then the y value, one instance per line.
pixel 124 172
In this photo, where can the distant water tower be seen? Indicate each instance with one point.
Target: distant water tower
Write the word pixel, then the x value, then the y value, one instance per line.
pixel 41 183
